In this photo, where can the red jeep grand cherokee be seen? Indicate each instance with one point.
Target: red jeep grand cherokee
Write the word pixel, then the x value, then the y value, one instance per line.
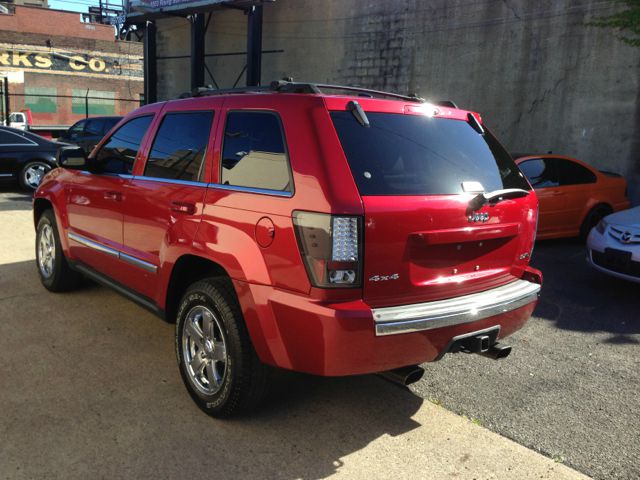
pixel 283 226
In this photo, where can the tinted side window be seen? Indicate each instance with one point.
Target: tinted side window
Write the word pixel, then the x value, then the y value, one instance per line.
pixel 94 126
pixel 118 154
pixel 9 138
pixel 540 172
pixel 78 127
pixel 571 173
pixel 254 153
pixel 109 123
pixel 179 147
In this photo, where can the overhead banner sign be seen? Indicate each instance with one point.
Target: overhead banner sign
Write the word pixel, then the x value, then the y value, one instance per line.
pixel 142 7
pixel 68 62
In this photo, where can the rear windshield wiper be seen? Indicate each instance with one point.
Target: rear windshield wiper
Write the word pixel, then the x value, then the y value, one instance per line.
pixel 496 196
pixel 359 113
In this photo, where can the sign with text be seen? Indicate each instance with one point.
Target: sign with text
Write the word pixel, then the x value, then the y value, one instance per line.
pixel 68 62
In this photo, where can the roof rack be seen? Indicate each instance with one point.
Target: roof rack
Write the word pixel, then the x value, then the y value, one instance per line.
pixel 285 86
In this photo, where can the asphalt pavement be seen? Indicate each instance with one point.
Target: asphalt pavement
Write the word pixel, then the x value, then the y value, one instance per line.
pixel 89 387
pixel 571 387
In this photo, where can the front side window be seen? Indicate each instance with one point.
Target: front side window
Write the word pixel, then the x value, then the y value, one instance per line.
pixel 94 126
pixel 254 153
pixel 541 172
pixel 118 154
pixel 179 147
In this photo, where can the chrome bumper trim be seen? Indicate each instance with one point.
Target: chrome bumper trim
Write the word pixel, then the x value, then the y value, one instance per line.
pixel 454 311
pixel 149 267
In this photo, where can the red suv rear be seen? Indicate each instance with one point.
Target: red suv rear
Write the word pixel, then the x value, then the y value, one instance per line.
pixel 327 234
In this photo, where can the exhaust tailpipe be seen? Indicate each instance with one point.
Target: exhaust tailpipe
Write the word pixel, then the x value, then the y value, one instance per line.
pixel 497 351
pixel 404 375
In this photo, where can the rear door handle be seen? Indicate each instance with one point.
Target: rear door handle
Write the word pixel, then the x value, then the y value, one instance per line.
pixel 183 207
pixel 115 196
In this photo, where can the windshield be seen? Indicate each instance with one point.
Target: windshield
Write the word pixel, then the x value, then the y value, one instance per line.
pixel 419 155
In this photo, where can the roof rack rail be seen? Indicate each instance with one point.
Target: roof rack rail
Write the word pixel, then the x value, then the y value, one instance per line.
pixel 285 86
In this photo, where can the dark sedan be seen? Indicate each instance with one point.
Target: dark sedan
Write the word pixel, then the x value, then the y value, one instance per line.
pixel 25 157
pixel 87 133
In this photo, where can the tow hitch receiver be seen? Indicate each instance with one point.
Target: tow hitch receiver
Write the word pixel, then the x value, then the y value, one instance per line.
pixel 483 342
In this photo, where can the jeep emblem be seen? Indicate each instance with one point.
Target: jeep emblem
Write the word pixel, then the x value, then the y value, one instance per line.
pixel 478 217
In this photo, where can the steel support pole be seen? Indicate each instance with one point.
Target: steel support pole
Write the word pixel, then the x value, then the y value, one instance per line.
pixel 150 64
pixel 254 45
pixel 197 51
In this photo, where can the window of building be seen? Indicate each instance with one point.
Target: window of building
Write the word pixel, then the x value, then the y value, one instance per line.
pixel 41 99
pixel 254 153
pixel 179 147
pixel 118 154
pixel 97 102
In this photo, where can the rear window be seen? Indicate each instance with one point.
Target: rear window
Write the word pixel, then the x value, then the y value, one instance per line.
pixel 418 155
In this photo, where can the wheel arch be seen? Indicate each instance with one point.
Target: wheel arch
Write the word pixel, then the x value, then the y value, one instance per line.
pixel 186 270
pixel 39 206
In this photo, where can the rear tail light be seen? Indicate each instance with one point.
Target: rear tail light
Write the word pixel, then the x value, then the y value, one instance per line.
pixel 331 248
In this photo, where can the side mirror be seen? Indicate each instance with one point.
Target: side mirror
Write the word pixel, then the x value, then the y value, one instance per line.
pixel 72 157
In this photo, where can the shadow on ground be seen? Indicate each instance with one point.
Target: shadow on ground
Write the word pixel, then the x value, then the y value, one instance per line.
pixel 94 387
pixel 577 297
pixel 13 198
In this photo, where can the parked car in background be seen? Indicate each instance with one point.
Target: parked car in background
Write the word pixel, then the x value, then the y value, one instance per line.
pixel 25 157
pixel 573 196
pixel 614 245
pixel 328 234
pixel 88 132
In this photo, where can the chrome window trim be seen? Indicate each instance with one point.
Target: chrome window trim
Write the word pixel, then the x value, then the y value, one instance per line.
pixel 170 180
pixel 149 267
pixel 454 311
pixel 260 191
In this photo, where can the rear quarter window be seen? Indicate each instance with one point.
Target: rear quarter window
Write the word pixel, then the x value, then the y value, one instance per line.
pixel 419 155
pixel 254 153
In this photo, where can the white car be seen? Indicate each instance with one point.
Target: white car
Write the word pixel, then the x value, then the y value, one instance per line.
pixel 614 245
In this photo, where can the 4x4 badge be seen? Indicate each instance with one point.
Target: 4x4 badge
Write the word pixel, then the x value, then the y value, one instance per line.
pixel 382 278
pixel 478 217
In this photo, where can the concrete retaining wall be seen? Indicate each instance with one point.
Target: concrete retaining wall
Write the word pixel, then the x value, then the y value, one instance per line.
pixel 541 78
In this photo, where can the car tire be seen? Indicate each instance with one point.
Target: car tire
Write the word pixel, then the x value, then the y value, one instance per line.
pixel 32 174
pixel 217 361
pixel 55 273
pixel 596 214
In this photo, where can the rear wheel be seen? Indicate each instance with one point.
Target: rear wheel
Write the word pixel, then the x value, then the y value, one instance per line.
pixel 32 174
pixel 53 268
pixel 217 361
pixel 596 214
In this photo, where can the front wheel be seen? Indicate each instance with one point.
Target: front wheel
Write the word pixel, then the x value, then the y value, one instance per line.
pixel 596 214
pixel 217 361
pixel 54 270
pixel 32 174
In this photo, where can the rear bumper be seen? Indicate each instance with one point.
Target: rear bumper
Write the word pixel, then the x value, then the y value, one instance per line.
pixel 455 311
pixel 295 332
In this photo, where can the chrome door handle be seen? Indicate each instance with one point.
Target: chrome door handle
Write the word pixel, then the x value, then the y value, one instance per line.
pixel 183 207
pixel 115 196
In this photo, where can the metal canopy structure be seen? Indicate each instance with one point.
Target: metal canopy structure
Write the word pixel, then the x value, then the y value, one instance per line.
pixel 144 14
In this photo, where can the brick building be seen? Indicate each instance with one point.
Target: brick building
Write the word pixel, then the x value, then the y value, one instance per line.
pixel 62 69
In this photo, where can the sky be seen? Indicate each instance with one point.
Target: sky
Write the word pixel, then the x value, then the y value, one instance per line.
pixel 77 5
